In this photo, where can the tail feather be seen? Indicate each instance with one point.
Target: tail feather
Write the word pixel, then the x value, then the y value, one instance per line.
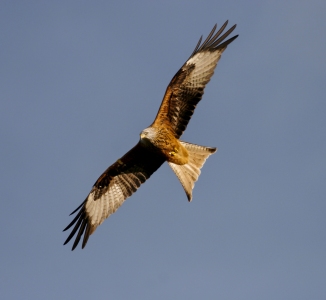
pixel 188 174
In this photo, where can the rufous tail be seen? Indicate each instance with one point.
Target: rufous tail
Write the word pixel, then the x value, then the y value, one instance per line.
pixel 188 174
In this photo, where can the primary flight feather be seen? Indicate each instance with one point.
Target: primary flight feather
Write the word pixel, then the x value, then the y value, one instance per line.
pixel 158 143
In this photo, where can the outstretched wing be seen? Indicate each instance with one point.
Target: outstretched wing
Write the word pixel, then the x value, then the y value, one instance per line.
pixel 187 86
pixel 111 189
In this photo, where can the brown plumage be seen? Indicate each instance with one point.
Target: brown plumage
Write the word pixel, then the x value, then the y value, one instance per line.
pixel 158 143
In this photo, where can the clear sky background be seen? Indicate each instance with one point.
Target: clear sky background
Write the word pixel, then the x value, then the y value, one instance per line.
pixel 79 82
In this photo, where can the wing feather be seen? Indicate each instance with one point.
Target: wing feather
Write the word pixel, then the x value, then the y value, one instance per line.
pixel 112 188
pixel 187 86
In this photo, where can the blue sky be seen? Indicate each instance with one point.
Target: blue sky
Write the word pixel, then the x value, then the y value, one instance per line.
pixel 79 82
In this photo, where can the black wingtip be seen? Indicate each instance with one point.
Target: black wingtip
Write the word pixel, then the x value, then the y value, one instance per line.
pixel 78 207
pixel 80 222
pixel 86 235
pixel 229 41
pixel 74 220
pixel 80 233
pixel 213 39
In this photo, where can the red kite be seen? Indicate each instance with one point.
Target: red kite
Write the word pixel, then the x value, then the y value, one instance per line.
pixel 158 143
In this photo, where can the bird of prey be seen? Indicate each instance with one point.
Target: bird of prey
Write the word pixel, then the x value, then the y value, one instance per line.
pixel 158 143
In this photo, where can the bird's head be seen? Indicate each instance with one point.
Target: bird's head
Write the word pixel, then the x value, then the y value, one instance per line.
pixel 147 135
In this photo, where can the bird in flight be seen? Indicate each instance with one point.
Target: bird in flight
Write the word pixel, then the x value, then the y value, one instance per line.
pixel 158 143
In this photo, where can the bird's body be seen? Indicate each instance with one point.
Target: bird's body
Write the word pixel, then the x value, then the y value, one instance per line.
pixel 158 143
pixel 164 142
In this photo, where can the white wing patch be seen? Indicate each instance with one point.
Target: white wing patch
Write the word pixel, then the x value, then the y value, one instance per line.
pixel 100 209
pixel 205 63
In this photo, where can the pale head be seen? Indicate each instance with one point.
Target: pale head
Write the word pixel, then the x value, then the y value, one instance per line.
pixel 148 134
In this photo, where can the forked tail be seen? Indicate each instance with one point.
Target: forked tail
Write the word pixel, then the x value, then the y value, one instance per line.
pixel 188 174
